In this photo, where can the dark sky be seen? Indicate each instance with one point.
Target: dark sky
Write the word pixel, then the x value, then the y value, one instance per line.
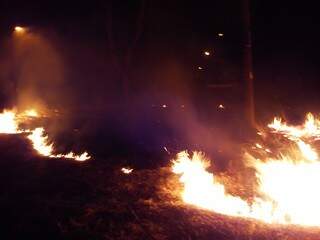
pixel 285 33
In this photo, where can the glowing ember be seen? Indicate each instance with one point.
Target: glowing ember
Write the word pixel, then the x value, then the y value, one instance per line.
pixel 9 123
pixel 287 190
pixel 126 170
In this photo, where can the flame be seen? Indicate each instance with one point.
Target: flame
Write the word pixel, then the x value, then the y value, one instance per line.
pixel 287 191
pixel 310 128
pixel 40 142
pixel 9 124
pixel 201 189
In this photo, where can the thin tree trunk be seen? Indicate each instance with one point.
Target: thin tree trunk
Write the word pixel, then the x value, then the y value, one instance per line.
pixel 122 64
pixel 248 68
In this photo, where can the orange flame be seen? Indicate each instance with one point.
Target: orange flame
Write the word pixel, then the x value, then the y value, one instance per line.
pixel 9 124
pixel 288 191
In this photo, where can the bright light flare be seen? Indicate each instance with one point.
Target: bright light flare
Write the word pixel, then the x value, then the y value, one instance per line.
pixel 19 29
pixel 220 106
pixel 206 53
pixel 126 170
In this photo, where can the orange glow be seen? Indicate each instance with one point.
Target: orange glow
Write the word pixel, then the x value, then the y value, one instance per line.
pixel 31 113
pixel 19 29
pixel 287 190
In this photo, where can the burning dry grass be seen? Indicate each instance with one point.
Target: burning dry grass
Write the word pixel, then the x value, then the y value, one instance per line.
pixel 146 205
pixel 10 123
pixel 97 201
pixel 59 199
pixel 285 180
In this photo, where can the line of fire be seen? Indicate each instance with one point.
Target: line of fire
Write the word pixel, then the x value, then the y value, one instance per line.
pixel 159 120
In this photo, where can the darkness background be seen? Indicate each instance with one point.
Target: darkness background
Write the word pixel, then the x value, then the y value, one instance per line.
pixel 164 67
pixel 285 39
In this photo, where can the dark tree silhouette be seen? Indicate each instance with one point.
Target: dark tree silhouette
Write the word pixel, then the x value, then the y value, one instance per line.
pixel 122 59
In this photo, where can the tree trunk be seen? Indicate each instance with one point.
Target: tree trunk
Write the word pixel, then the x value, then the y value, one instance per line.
pixel 248 68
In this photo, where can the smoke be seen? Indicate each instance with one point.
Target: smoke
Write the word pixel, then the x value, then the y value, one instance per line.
pixel 170 105
pixel 33 72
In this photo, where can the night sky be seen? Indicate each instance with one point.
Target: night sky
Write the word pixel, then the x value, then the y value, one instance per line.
pixel 285 38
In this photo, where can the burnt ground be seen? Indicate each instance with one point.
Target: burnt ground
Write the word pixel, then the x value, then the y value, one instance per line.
pixel 62 199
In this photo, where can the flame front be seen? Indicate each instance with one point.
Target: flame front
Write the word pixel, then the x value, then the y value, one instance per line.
pixel 287 190
pixel 201 189
pixel 9 124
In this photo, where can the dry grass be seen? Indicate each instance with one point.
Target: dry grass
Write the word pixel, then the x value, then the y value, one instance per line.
pixel 62 199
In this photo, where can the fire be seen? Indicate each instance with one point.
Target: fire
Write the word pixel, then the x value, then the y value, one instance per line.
pixel 9 124
pixel 31 113
pixel 40 142
pixel 310 128
pixel 201 189
pixel 287 191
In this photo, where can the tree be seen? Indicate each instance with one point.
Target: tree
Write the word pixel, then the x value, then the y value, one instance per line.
pixel 122 61
pixel 248 69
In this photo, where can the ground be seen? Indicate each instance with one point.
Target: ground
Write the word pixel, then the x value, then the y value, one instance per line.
pixel 63 199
